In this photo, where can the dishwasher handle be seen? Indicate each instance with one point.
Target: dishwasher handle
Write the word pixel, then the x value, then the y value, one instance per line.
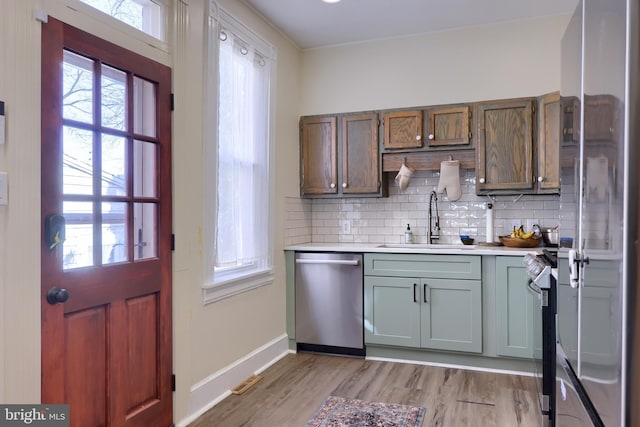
pixel 329 261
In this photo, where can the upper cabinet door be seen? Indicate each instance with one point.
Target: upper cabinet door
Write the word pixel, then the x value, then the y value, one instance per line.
pixel 505 146
pixel 319 160
pixel 360 160
pixel 449 126
pixel 550 116
pixel 403 129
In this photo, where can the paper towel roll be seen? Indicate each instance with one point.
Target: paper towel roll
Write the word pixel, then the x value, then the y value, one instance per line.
pixel 489 223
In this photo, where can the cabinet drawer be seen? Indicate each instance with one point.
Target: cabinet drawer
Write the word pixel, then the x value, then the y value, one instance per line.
pixel 423 265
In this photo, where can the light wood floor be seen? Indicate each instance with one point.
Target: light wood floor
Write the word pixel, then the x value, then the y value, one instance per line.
pixel 294 388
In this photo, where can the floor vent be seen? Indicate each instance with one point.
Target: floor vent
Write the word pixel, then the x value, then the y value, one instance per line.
pixel 246 384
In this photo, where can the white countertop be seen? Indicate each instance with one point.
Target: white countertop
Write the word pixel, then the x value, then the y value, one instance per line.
pixel 454 249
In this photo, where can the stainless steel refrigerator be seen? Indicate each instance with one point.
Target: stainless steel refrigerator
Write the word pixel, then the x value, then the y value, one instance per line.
pixel 598 216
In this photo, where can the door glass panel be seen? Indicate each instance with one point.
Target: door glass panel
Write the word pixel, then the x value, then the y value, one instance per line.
pixel 77 88
pixel 144 106
pixel 113 165
pixel 144 169
pixel 78 244
pixel 114 98
pixel 145 219
pixel 114 232
pixel 77 169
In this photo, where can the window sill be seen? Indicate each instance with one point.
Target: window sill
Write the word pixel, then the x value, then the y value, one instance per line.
pixel 221 290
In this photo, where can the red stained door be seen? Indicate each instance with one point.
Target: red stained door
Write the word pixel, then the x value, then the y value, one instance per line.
pixel 106 247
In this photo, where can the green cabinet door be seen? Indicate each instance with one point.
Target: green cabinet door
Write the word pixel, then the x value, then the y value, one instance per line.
pixel 392 311
pixel 451 314
pixel 515 308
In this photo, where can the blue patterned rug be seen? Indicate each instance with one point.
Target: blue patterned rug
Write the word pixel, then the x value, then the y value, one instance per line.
pixel 341 412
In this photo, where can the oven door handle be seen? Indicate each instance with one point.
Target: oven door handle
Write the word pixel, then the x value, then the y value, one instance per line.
pixel 533 288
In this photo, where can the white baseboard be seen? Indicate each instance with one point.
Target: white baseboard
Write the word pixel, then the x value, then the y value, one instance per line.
pixel 212 390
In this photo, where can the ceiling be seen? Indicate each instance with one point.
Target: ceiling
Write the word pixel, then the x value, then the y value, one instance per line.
pixel 313 23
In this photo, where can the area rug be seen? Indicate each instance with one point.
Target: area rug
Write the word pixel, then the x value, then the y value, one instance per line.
pixel 341 412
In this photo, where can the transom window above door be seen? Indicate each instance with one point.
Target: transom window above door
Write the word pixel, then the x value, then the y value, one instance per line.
pixel 148 16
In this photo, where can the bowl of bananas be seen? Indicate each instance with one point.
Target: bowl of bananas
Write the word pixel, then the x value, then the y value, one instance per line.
pixel 521 239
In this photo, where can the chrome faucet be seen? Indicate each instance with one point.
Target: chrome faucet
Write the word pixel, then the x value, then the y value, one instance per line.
pixel 433 231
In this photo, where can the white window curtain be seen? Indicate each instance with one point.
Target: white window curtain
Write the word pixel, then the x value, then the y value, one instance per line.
pixel 243 156
pixel 237 153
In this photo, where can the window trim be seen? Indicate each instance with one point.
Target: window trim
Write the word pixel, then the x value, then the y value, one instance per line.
pixel 233 283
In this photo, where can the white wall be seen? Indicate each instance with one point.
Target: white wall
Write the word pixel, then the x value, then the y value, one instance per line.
pixel 471 64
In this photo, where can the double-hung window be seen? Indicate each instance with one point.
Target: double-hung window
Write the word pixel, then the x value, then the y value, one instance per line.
pixel 238 156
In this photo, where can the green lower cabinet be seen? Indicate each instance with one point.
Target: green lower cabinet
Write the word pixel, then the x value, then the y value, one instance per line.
pixel 392 311
pixel 451 315
pixel 515 308
pixel 442 314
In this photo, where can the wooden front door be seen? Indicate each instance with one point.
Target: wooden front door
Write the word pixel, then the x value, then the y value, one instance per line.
pixel 106 246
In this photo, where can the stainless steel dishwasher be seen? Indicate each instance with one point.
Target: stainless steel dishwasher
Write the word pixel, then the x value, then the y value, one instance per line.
pixel 329 302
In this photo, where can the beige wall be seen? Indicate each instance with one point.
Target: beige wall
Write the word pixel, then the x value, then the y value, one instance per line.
pixel 470 64
pixel 493 62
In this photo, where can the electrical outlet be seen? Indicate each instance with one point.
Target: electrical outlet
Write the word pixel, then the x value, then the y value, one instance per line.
pixel 510 224
pixel 345 226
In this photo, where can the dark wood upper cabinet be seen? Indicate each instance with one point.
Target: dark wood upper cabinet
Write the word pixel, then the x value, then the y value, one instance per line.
pixel 550 116
pixel 319 159
pixel 360 159
pixel 344 161
pixel 505 146
pixel 449 126
pixel 403 129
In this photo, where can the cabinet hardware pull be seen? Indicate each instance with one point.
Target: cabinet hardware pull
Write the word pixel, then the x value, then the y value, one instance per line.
pixel 540 179
pixel 431 136
pixel 332 185
pixel 424 291
pixel 418 137
pixel 415 285
pixel 481 180
pixel 344 185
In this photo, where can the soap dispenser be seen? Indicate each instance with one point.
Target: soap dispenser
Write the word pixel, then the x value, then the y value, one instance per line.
pixel 408 235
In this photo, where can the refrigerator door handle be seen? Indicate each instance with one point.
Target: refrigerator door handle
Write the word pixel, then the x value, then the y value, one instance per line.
pixel 574 265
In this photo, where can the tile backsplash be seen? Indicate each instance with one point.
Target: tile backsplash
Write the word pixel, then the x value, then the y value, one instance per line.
pixel 384 220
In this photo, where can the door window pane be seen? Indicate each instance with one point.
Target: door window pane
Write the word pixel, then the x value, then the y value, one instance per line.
pixel 144 107
pixel 113 165
pixel 144 169
pixel 114 232
pixel 77 168
pixel 114 98
pixel 77 88
pixel 145 219
pixel 78 246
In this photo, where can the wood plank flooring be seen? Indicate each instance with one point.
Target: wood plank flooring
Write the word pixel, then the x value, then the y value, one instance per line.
pixel 295 387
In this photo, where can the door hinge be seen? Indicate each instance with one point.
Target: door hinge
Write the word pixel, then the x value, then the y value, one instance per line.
pixel 173 242
pixel 171 101
pixel 173 382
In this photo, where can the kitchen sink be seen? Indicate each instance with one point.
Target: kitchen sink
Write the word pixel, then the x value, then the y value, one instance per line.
pixel 425 246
